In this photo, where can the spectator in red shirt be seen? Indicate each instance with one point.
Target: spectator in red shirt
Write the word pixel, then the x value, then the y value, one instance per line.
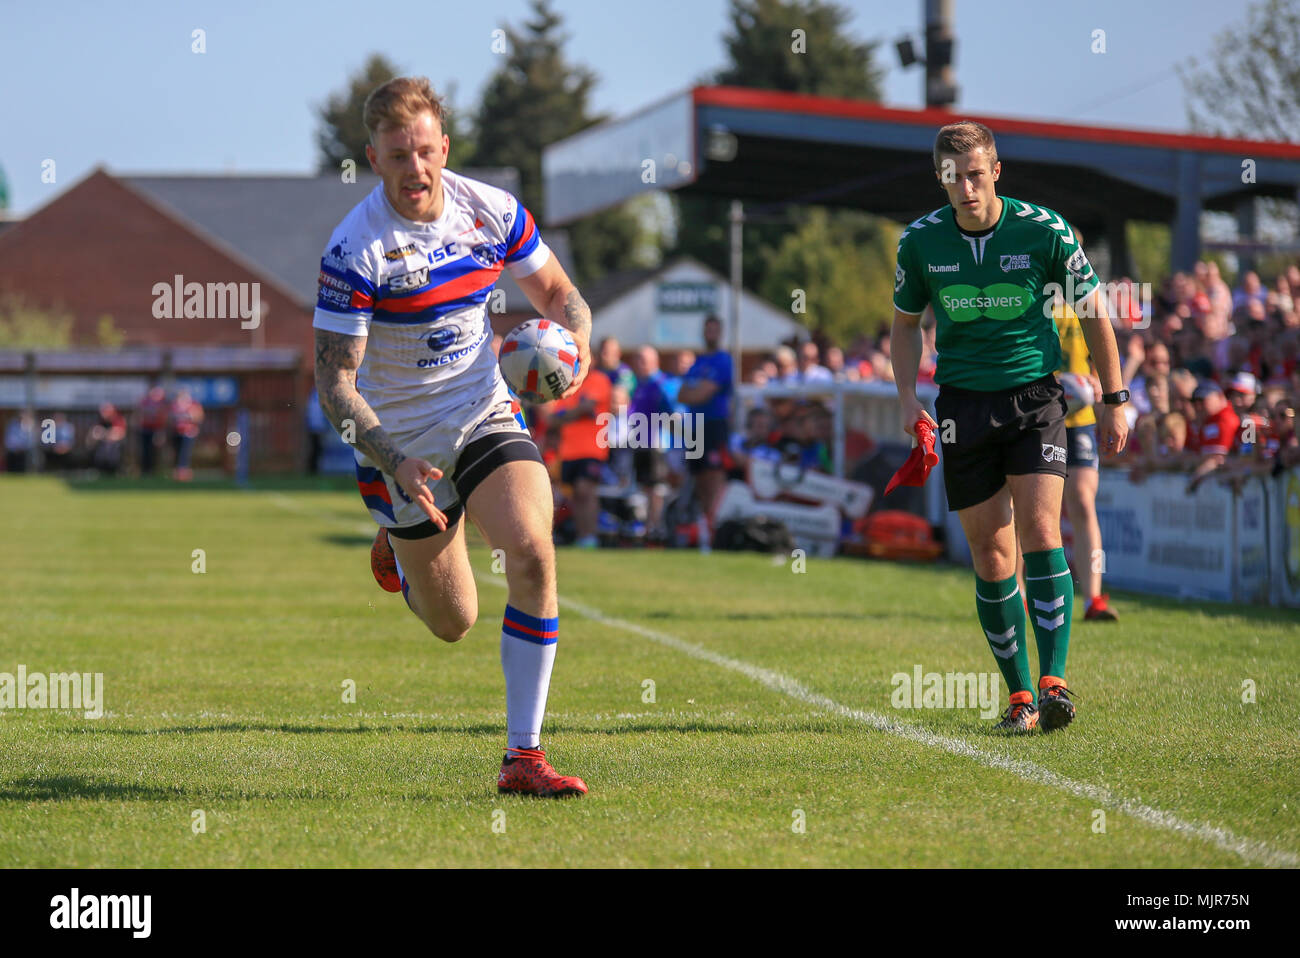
pixel 1216 425
pixel 187 418
pixel 153 427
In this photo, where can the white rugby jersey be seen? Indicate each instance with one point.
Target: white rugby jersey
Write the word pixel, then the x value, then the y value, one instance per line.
pixel 419 291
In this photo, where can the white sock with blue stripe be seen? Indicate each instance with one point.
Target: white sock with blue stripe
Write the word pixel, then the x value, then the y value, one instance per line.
pixel 401 577
pixel 527 655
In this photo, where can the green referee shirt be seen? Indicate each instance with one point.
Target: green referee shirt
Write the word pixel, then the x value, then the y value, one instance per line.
pixel 992 292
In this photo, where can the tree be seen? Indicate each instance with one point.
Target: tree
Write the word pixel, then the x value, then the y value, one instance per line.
pixel 1150 244
pixel 843 262
pixel 799 46
pixel 343 134
pixel 26 326
pixel 535 98
pixel 1251 87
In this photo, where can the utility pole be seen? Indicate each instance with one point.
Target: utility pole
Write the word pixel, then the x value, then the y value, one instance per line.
pixel 940 90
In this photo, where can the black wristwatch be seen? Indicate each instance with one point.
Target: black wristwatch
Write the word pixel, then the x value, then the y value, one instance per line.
pixel 1115 398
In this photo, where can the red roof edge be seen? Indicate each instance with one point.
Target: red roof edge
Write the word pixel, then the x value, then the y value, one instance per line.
pixel 745 98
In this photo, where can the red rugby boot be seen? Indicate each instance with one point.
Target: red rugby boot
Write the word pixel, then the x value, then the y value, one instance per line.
pixel 383 563
pixel 528 773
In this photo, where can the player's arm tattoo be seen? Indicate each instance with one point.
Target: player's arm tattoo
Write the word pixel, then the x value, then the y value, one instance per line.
pixel 338 356
pixel 577 314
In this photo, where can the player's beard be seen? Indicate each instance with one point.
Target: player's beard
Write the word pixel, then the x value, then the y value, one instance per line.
pixel 415 206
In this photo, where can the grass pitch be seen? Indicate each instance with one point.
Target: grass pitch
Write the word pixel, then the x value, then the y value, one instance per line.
pixel 770 739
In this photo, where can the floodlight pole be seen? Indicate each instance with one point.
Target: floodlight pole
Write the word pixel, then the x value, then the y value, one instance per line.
pixel 737 246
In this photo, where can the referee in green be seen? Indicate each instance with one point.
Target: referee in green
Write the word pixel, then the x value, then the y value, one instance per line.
pixel 991 268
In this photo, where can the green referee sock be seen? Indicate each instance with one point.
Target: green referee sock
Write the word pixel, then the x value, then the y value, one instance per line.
pixel 1051 606
pixel 1002 614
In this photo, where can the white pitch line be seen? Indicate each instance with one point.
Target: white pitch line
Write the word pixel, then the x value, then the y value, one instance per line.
pixel 1248 849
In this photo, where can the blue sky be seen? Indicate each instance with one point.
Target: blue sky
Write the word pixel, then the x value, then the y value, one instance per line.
pixel 116 84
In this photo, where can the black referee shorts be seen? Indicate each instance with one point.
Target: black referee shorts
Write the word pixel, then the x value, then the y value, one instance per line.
pixel 1011 432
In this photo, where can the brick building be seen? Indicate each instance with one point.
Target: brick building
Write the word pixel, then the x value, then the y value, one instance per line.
pixel 129 248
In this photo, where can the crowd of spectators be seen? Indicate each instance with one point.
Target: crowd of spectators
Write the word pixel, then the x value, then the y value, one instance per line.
pixel 1214 377
pixel 866 360
pixel 1212 369
pixel 49 443
pixel 589 460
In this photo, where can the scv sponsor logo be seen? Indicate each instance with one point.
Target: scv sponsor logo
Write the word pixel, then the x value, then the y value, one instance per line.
pixel 405 282
pixel 448 358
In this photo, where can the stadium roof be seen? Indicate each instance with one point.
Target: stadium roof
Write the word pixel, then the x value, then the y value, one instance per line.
pixel 776 148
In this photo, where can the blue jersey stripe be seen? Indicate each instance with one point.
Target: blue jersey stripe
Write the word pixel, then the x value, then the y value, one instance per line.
pixel 351 277
pixel 375 504
pixel 382 315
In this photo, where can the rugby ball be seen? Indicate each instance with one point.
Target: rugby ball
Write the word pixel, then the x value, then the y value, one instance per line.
pixel 1078 392
pixel 539 360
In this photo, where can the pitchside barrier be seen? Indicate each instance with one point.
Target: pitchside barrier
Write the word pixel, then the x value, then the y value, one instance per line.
pixel 864 429
pixel 251 398
pixel 1217 543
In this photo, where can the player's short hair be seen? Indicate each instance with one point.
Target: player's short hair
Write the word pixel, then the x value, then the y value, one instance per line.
pixel 400 101
pixel 964 136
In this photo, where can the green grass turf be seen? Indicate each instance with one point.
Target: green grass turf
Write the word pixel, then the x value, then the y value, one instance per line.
pixel 224 693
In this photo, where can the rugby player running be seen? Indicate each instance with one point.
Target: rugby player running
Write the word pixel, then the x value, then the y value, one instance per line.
pixel 405 367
